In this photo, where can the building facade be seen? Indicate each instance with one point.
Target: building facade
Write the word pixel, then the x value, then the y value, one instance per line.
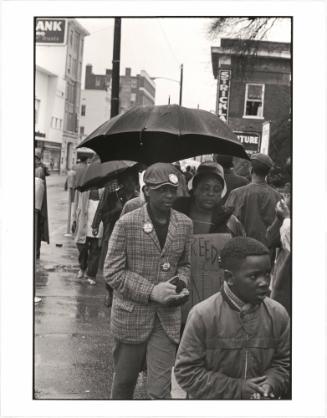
pixel 58 71
pixel 96 96
pixel 254 93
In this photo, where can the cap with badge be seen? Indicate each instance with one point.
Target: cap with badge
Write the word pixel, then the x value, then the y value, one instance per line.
pixel 263 159
pixel 160 174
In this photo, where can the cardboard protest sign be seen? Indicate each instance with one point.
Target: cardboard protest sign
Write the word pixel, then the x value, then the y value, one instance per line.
pixel 206 275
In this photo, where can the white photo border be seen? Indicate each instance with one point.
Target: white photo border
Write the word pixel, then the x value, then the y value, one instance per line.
pixel 309 208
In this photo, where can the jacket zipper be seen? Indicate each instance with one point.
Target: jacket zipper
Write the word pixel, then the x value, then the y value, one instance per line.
pixel 246 358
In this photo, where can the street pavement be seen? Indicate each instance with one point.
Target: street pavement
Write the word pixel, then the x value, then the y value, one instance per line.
pixel 72 340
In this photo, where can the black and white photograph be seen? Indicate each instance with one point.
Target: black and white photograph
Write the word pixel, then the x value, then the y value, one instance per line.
pixel 163 263
pixel 147 206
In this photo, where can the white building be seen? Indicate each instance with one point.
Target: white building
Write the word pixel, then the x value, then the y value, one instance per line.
pixel 49 115
pixel 95 110
pixel 58 57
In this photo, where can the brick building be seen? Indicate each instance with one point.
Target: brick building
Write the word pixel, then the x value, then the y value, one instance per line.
pixel 96 96
pixel 254 93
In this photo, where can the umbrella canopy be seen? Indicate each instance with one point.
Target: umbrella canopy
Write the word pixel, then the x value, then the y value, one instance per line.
pixel 167 133
pixel 97 174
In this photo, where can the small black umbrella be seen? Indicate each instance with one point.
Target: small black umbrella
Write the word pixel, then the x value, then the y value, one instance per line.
pixel 97 174
pixel 167 133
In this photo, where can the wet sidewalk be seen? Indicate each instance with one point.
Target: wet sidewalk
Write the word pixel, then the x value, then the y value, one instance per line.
pixel 72 342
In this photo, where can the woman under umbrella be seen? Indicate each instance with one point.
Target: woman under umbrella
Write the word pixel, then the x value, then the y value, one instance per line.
pixel 204 207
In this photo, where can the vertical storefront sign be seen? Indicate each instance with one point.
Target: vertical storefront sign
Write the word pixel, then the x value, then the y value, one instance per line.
pixel 224 77
pixel 264 148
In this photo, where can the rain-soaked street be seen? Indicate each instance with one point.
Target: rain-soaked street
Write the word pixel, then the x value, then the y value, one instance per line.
pixel 72 337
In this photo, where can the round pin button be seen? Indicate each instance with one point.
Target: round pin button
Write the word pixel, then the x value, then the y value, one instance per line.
pixel 148 227
pixel 165 266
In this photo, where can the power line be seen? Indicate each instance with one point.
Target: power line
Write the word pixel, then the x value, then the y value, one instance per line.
pixel 169 44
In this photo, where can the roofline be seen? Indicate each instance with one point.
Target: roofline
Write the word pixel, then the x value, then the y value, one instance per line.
pixel 218 50
pixel 79 26
pixel 45 71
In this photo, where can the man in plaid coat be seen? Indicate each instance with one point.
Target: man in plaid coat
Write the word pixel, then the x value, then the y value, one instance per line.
pixel 148 247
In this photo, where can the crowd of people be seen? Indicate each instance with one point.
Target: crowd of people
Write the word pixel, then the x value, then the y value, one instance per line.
pixel 137 237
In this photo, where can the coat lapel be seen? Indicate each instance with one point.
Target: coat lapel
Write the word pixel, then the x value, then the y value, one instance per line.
pixel 152 234
pixel 171 235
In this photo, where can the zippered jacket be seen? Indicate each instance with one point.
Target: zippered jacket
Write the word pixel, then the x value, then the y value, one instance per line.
pixel 222 346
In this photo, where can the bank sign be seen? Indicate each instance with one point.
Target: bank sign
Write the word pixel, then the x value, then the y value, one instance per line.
pixel 250 140
pixel 50 31
pixel 224 77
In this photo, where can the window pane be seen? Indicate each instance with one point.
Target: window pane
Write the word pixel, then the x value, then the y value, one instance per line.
pixel 254 92
pixel 253 108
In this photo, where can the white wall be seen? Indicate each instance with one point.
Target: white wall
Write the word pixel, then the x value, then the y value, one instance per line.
pixel 41 93
pixel 50 90
pixel 97 104
pixel 52 57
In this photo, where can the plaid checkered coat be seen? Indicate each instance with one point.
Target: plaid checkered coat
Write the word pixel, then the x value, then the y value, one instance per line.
pixel 133 267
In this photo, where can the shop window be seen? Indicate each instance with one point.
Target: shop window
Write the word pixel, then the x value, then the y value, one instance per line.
pixel 83 110
pixel 254 100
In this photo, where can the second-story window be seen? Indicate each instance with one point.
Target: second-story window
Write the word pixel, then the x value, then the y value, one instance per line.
pixel 83 110
pixel 254 100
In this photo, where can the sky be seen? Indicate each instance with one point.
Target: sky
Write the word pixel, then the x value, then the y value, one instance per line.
pixel 159 46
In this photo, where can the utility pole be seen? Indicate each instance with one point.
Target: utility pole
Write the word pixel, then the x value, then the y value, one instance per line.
pixel 115 69
pixel 169 99
pixel 181 86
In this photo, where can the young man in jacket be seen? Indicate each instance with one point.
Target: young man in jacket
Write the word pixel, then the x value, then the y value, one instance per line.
pixel 147 248
pixel 236 344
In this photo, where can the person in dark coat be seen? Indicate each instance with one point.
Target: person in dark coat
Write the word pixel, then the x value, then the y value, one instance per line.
pixel 233 180
pixel 116 194
pixel 207 188
pixel 41 215
pixel 254 204
pixel 236 344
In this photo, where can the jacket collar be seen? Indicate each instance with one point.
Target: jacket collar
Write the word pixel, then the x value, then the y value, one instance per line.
pixel 236 303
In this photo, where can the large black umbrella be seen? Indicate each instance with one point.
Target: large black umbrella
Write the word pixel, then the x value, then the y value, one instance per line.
pixel 167 133
pixel 97 174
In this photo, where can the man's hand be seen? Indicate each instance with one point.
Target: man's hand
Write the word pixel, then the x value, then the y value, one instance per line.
pixel 73 227
pixel 162 292
pixel 95 231
pixel 253 386
pixel 268 391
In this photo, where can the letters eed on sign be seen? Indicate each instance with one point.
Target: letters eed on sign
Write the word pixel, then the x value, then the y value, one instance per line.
pixel 50 31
